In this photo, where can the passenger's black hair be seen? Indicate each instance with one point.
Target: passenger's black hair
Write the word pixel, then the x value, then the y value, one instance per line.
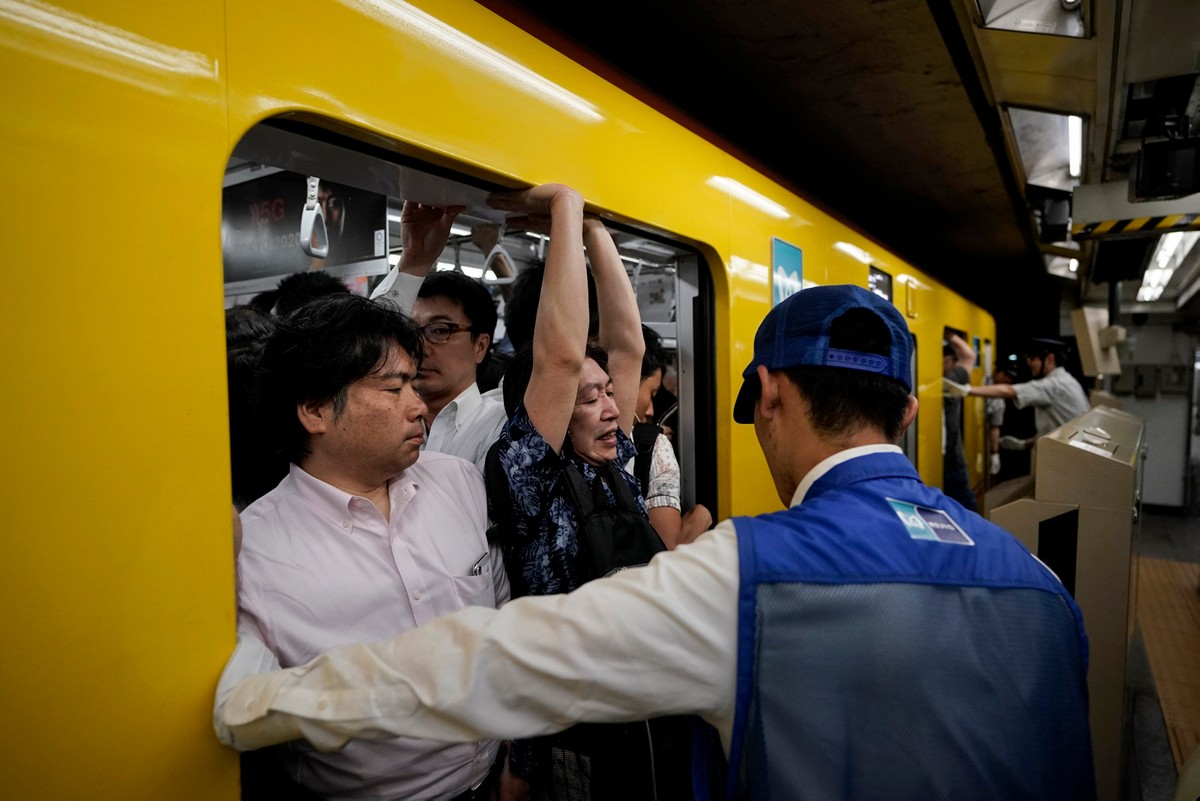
pixel 322 348
pixel 473 296
pixel 520 312
pixel 255 468
pixel 842 401
pixel 520 370
pixel 654 358
pixel 298 289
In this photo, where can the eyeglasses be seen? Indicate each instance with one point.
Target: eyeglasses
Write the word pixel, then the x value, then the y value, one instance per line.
pixel 438 333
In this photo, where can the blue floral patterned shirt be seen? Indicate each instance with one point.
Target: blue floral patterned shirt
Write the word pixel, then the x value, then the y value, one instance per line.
pixel 544 546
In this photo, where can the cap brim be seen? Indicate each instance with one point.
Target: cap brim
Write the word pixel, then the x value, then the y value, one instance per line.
pixel 747 397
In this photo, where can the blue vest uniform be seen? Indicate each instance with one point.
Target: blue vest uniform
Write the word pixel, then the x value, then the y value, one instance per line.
pixel 892 645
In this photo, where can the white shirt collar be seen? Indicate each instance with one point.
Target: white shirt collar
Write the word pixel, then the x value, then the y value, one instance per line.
pixel 828 464
pixel 467 401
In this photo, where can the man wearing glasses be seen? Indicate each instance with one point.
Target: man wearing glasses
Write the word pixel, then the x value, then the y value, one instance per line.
pixel 457 320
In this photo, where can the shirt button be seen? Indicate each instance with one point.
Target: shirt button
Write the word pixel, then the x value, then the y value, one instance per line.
pixel 416 596
pixel 345 524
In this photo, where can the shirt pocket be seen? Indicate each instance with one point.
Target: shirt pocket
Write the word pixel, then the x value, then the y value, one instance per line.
pixel 475 590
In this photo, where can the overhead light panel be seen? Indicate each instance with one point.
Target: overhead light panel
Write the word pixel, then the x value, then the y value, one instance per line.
pixel 1075 144
pixel 1169 253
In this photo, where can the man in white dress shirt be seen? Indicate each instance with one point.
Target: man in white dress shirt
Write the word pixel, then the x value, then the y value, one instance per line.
pixel 457 318
pixel 361 540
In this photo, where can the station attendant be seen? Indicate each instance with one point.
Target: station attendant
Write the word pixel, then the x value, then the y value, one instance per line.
pixel 873 640
pixel 1054 394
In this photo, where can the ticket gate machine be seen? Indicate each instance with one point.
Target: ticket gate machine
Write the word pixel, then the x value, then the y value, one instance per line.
pixel 1081 521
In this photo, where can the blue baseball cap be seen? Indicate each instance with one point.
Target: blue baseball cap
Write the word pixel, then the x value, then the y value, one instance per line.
pixel 796 333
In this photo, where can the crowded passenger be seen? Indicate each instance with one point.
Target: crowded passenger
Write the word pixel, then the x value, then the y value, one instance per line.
pixel 297 289
pixel 1054 394
pixel 457 319
pixel 873 640
pixel 361 541
pixel 255 465
pixel 559 462
pixel 655 466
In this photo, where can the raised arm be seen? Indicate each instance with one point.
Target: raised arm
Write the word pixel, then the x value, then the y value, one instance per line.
pixel 424 231
pixel 620 321
pixel 560 333
pixel 964 354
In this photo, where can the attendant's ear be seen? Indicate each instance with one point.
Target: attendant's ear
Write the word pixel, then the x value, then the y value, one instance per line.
pixel 910 413
pixel 768 394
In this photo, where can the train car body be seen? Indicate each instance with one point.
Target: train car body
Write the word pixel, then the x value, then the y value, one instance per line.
pixel 119 583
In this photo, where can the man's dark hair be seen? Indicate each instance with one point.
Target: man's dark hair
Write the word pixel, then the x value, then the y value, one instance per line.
pixel 298 289
pixel 654 358
pixel 520 370
pixel 473 296
pixel 842 401
pixel 520 312
pixel 322 348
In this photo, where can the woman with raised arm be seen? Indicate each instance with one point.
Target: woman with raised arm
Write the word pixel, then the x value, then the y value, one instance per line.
pixel 557 470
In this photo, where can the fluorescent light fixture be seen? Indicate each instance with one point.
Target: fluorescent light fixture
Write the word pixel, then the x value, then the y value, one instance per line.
pixel 477 272
pixel 1073 265
pixel 853 251
pixel 1170 252
pixel 476 55
pixel 1075 144
pixel 455 230
pixel 748 196
pixel 537 236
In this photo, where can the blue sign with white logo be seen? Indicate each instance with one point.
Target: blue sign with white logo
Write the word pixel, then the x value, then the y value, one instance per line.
pixel 924 523
pixel 787 270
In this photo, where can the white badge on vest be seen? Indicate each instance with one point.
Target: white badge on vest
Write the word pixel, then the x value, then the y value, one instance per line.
pixel 933 525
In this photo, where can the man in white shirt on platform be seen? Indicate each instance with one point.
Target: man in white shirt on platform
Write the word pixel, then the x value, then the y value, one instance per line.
pixel 361 541
pixel 1055 395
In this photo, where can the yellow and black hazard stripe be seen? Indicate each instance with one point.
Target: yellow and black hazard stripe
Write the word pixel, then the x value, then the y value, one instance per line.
pixel 1138 226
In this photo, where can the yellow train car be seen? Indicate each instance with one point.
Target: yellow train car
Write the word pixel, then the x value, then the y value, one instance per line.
pixel 118 582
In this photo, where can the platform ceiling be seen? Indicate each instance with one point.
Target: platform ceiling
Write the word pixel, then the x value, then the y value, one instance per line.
pixel 890 113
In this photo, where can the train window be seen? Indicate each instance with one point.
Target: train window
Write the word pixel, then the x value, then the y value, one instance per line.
pixel 283 179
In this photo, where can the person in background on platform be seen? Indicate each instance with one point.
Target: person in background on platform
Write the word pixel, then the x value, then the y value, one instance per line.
pixel 1054 393
pixel 361 540
pixel 1006 420
pixel 957 359
pixel 655 466
pixel 874 640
